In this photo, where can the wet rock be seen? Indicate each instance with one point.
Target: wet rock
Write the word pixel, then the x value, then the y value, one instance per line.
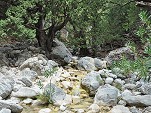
pixel 120 109
pixel 106 95
pixel 91 82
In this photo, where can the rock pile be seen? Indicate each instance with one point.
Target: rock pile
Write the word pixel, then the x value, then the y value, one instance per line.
pixel 94 90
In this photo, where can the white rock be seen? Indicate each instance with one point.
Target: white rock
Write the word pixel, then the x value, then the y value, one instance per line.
pixel 109 80
pixel 27 101
pixel 14 100
pixel 119 81
pixel 122 102
pixel 120 109
pixel 76 99
pixel 15 108
pixel 65 74
pixel 68 99
pixel 25 92
pixel 92 82
pixel 45 110
pixel 106 95
pixel 4 110
pixel 80 111
pixel 63 107
pixel 95 108
pixel 112 75
pixel 66 84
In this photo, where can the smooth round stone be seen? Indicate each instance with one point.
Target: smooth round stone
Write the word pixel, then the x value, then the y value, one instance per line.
pixel 109 80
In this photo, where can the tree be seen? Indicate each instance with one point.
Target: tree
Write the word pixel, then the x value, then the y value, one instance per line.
pixel 38 18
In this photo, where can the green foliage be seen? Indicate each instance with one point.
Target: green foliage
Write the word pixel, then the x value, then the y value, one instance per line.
pixel 104 21
pixel 100 20
pixel 144 31
pixel 140 65
pixel 47 94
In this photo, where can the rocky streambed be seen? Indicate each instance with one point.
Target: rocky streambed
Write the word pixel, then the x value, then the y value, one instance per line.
pixel 85 85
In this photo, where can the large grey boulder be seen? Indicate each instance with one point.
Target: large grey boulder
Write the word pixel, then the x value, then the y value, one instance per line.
pixel 91 82
pixel 54 93
pixel 15 108
pixel 60 52
pixel 106 95
pixel 25 92
pixel 39 64
pixel 86 63
pixel 6 86
pixel 138 100
pixel 120 109
pixel 89 64
pixel 119 53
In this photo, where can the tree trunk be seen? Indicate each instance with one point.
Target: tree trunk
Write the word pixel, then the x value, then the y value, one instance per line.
pixel 83 46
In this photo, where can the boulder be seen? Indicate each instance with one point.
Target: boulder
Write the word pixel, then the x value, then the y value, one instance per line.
pixel 5 110
pixel 146 89
pixel 89 64
pixel 38 64
pixel 15 108
pixel 138 100
pixel 54 93
pixel 120 109
pixel 106 95
pixel 86 63
pixel 25 92
pixel 6 86
pixel 119 53
pixel 60 52
pixel 91 82
pixel 28 73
